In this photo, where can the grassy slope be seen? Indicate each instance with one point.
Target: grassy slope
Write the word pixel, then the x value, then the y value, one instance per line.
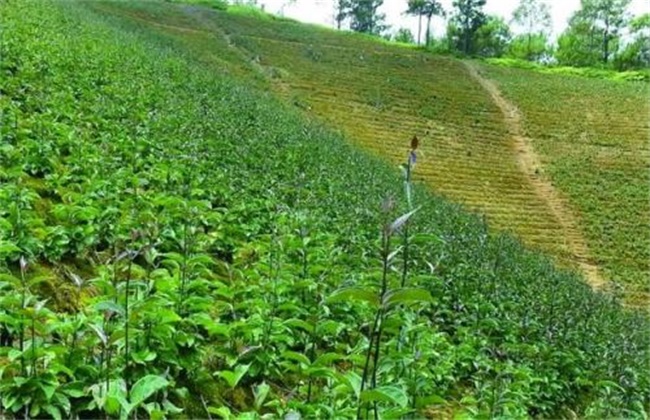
pixel 386 94
pixel 115 137
pixel 593 137
pixel 380 95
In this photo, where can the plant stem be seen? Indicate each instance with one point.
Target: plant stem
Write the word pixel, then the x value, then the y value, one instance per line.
pixel 126 328
pixel 181 297
pixel 33 331
pixel 21 334
pixel 367 364
pixel 406 254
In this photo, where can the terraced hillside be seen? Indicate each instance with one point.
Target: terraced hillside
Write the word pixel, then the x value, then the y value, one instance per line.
pixel 176 244
pixel 379 96
pixel 593 138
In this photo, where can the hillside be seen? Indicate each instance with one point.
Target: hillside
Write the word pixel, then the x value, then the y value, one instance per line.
pixel 177 241
pixel 380 95
pixel 593 139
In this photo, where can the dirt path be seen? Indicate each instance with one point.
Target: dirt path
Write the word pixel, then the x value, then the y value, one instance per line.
pixel 530 165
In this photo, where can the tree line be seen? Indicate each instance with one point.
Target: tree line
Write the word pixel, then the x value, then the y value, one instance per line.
pixel 602 33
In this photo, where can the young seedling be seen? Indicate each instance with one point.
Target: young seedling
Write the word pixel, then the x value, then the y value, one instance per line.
pixel 410 164
pixel 389 229
pixel 21 333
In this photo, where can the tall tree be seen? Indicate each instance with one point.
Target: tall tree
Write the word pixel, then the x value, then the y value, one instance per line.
pixel 416 8
pixel 636 53
pixel 577 45
pixel 342 10
pixel 365 16
pixel 608 17
pixel 431 8
pixel 535 47
pixel 595 29
pixel 468 17
pixel 492 38
pixel 534 18
pixel 428 8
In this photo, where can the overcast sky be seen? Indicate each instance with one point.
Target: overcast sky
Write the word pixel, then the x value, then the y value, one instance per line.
pixel 322 12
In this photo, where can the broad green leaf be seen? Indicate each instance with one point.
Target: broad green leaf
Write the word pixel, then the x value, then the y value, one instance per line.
pixel 260 392
pixel 52 411
pixel 430 400
pixel 74 389
pixel 218 328
pixel 156 415
pixel 390 394
pixel 35 410
pixel 48 389
pixel 396 413
pixel 14 354
pixel 167 316
pixel 8 400
pixel 407 295
pixel 7 248
pixel 171 408
pixel 321 372
pixel 299 323
pixel 297 357
pixel 425 238
pixel 223 412
pixel 353 293
pixel 233 378
pixel 109 306
pixel 100 333
pixel 113 404
pixel 327 358
pixel 353 381
pixel 62 401
pixel 143 356
pixel 328 327
pixel 145 387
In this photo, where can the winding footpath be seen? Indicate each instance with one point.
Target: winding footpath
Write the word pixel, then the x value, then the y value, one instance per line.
pixel 530 165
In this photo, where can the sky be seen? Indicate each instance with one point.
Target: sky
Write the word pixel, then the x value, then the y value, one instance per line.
pixel 322 12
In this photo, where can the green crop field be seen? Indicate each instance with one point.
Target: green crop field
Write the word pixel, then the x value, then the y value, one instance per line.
pixel 380 95
pixel 197 222
pixel 593 136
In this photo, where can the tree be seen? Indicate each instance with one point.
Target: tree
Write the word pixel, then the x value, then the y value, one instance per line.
pixel 405 36
pixel 576 46
pixel 365 16
pixel 468 18
pixel 431 8
pixel 531 47
pixel 416 8
pixel 594 31
pixel 608 18
pixel 428 8
pixel 342 10
pixel 492 38
pixel 534 18
pixel 637 52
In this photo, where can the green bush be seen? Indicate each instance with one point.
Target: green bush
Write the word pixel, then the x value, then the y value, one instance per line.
pixel 589 72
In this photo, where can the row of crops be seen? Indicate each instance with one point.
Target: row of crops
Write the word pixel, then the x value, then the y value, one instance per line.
pixel 593 136
pixel 174 244
pixel 379 96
